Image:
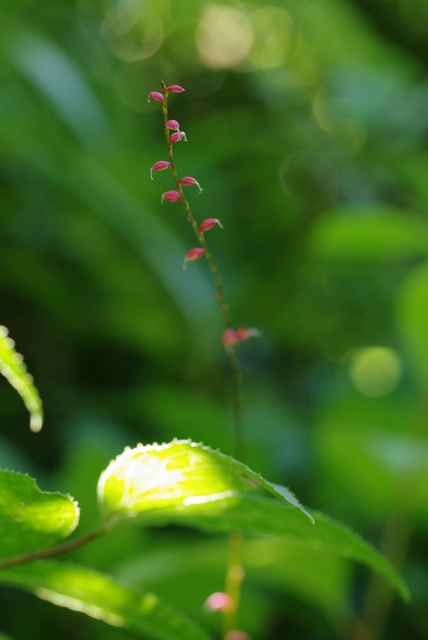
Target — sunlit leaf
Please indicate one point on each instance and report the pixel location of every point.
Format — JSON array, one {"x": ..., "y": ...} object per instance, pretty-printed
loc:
[
  {"x": 186, "y": 483},
  {"x": 100, "y": 597},
  {"x": 178, "y": 475},
  {"x": 14, "y": 369},
  {"x": 31, "y": 519}
]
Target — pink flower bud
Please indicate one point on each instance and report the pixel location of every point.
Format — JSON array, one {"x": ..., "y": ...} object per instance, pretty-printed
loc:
[
  {"x": 244, "y": 334},
  {"x": 171, "y": 196},
  {"x": 172, "y": 124},
  {"x": 175, "y": 88},
  {"x": 188, "y": 181},
  {"x": 228, "y": 338},
  {"x": 209, "y": 223},
  {"x": 156, "y": 96},
  {"x": 237, "y": 634},
  {"x": 159, "y": 166},
  {"x": 176, "y": 137},
  {"x": 219, "y": 602},
  {"x": 193, "y": 254}
]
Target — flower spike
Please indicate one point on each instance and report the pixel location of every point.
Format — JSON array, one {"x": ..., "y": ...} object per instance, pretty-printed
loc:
[
  {"x": 172, "y": 124},
  {"x": 159, "y": 166},
  {"x": 188, "y": 181},
  {"x": 155, "y": 95},
  {"x": 171, "y": 196},
  {"x": 175, "y": 88},
  {"x": 209, "y": 223},
  {"x": 193, "y": 254},
  {"x": 177, "y": 136}
]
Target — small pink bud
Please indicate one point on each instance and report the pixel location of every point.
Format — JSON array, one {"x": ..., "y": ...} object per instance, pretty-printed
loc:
[
  {"x": 188, "y": 181},
  {"x": 171, "y": 196},
  {"x": 156, "y": 96},
  {"x": 237, "y": 634},
  {"x": 177, "y": 136},
  {"x": 172, "y": 124},
  {"x": 209, "y": 223},
  {"x": 175, "y": 88},
  {"x": 228, "y": 338},
  {"x": 159, "y": 166},
  {"x": 244, "y": 334},
  {"x": 219, "y": 602},
  {"x": 193, "y": 254}
]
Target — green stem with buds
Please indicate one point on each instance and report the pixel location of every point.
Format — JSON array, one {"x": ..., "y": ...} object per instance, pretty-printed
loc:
[{"x": 235, "y": 572}]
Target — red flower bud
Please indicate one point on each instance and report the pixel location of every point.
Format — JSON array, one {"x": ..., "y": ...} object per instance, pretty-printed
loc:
[
  {"x": 228, "y": 338},
  {"x": 237, "y": 634},
  {"x": 193, "y": 254},
  {"x": 244, "y": 334},
  {"x": 219, "y": 602},
  {"x": 172, "y": 124},
  {"x": 156, "y": 96},
  {"x": 171, "y": 196},
  {"x": 159, "y": 166},
  {"x": 175, "y": 88},
  {"x": 209, "y": 223},
  {"x": 188, "y": 181},
  {"x": 176, "y": 137}
]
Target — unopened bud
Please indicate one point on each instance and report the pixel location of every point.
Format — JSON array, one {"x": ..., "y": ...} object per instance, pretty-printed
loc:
[
  {"x": 156, "y": 96},
  {"x": 244, "y": 334},
  {"x": 237, "y": 634},
  {"x": 219, "y": 601},
  {"x": 159, "y": 166},
  {"x": 193, "y": 254},
  {"x": 172, "y": 124},
  {"x": 228, "y": 338},
  {"x": 188, "y": 181},
  {"x": 209, "y": 223},
  {"x": 177, "y": 136},
  {"x": 171, "y": 196},
  {"x": 175, "y": 88}
]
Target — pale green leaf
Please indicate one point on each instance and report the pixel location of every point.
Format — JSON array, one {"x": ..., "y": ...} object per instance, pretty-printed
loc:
[
  {"x": 30, "y": 519},
  {"x": 14, "y": 369},
  {"x": 186, "y": 483},
  {"x": 99, "y": 596},
  {"x": 371, "y": 234},
  {"x": 180, "y": 475}
]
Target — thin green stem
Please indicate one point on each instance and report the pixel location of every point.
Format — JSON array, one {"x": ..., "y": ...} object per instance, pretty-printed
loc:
[
  {"x": 235, "y": 572},
  {"x": 54, "y": 551}
]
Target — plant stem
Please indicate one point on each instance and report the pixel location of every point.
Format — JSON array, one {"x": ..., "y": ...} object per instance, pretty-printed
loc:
[
  {"x": 54, "y": 551},
  {"x": 235, "y": 572}
]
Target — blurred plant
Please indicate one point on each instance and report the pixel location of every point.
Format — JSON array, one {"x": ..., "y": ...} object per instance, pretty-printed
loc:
[{"x": 181, "y": 482}]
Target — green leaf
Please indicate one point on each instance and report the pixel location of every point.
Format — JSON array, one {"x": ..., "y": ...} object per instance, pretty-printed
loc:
[
  {"x": 186, "y": 483},
  {"x": 372, "y": 234},
  {"x": 14, "y": 369},
  {"x": 181, "y": 475},
  {"x": 30, "y": 519},
  {"x": 100, "y": 597}
]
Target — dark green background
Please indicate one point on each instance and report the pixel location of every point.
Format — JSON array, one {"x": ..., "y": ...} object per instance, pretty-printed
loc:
[{"x": 312, "y": 151}]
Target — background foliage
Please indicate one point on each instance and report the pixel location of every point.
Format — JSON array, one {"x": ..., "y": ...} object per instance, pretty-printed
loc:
[{"x": 307, "y": 126}]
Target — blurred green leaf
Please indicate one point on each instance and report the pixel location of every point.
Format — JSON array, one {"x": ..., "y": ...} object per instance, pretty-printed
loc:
[
  {"x": 14, "y": 369},
  {"x": 101, "y": 597},
  {"x": 412, "y": 313},
  {"x": 370, "y": 233},
  {"x": 30, "y": 519}
]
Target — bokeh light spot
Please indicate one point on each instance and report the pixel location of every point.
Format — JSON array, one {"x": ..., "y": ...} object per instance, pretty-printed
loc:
[
  {"x": 133, "y": 30},
  {"x": 376, "y": 371},
  {"x": 274, "y": 38},
  {"x": 224, "y": 36}
]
